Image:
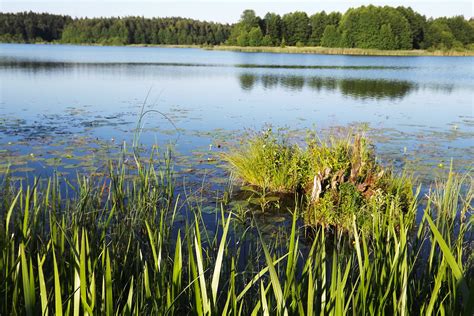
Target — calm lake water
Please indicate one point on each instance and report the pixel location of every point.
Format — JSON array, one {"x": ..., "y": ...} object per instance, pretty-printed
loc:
[{"x": 67, "y": 107}]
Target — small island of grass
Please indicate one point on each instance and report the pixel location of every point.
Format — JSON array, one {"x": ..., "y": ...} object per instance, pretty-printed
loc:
[{"x": 339, "y": 178}]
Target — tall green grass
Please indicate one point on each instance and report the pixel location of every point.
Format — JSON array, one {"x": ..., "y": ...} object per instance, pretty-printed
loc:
[
  {"x": 342, "y": 51},
  {"x": 124, "y": 244},
  {"x": 339, "y": 177},
  {"x": 268, "y": 161}
]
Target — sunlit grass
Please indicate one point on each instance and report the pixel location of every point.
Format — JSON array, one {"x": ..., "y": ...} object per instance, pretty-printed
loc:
[
  {"x": 339, "y": 177},
  {"x": 343, "y": 51},
  {"x": 269, "y": 162},
  {"x": 121, "y": 245}
]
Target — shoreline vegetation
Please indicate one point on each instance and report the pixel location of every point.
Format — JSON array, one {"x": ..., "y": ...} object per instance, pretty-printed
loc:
[
  {"x": 129, "y": 243},
  {"x": 336, "y": 180},
  {"x": 342, "y": 51},
  {"x": 316, "y": 50}
]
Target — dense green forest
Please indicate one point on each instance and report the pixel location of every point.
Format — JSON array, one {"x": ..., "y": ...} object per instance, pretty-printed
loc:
[
  {"x": 138, "y": 30},
  {"x": 363, "y": 27},
  {"x": 31, "y": 27}
]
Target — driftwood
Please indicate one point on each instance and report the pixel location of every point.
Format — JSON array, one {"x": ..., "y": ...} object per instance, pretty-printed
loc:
[
  {"x": 357, "y": 162},
  {"x": 337, "y": 179},
  {"x": 318, "y": 184},
  {"x": 365, "y": 186}
]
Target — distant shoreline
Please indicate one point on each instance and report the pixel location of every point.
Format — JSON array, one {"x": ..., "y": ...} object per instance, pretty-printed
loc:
[
  {"x": 341, "y": 51},
  {"x": 316, "y": 50}
]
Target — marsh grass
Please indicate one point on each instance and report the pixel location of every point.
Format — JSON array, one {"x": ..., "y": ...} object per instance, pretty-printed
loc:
[
  {"x": 343, "y": 51},
  {"x": 339, "y": 177},
  {"x": 120, "y": 245},
  {"x": 267, "y": 161}
]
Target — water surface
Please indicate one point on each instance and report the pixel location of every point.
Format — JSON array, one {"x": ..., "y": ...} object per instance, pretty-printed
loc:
[{"x": 72, "y": 105}]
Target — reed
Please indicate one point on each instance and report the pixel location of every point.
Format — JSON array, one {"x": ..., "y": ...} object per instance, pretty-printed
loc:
[
  {"x": 342, "y": 51},
  {"x": 122, "y": 244},
  {"x": 319, "y": 50}
]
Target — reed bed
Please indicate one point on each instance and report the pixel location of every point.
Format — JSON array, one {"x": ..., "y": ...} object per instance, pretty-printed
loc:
[
  {"x": 128, "y": 243},
  {"x": 341, "y": 51}
]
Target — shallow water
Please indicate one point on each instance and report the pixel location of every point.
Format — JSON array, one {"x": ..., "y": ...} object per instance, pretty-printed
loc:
[{"x": 68, "y": 107}]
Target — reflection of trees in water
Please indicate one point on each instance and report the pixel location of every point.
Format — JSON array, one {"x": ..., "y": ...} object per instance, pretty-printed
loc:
[
  {"x": 269, "y": 81},
  {"x": 352, "y": 87},
  {"x": 376, "y": 89},
  {"x": 320, "y": 83},
  {"x": 32, "y": 66},
  {"x": 294, "y": 82},
  {"x": 247, "y": 81},
  {"x": 445, "y": 88}
]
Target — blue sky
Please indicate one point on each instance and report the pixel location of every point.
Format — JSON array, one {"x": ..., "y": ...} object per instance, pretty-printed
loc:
[{"x": 222, "y": 11}]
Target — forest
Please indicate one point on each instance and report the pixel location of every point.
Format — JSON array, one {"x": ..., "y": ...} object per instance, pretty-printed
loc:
[
  {"x": 29, "y": 27},
  {"x": 366, "y": 27}
]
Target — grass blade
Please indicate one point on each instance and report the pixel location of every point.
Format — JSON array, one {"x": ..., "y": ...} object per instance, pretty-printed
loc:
[
  {"x": 57, "y": 288},
  {"x": 218, "y": 264},
  {"x": 109, "y": 307},
  {"x": 276, "y": 286},
  {"x": 27, "y": 293},
  {"x": 42, "y": 285},
  {"x": 451, "y": 261}
]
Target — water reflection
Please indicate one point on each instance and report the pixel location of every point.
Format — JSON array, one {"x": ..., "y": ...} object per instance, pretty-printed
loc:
[
  {"x": 9, "y": 62},
  {"x": 351, "y": 87},
  {"x": 59, "y": 93},
  {"x": 247, "y": 81},
  {"x": 351, "y": 81}
]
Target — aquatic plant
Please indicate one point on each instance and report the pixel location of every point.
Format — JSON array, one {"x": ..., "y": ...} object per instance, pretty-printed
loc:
[
  {"x": 340, "y": 177},
  {"x": 127, "y": 243},
  {"x": 268, "y": 162}
]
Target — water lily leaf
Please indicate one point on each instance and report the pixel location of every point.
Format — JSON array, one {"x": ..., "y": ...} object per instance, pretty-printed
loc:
[
  {"x": 71, "y": 166},
  {"x": 25, "y": 169},
  {"x": 208, "y": 210},
  {"x": 55, "y": 161}
]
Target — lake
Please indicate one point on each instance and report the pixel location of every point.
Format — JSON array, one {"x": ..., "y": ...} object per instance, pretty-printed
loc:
[{"x": 66, "y": 108}]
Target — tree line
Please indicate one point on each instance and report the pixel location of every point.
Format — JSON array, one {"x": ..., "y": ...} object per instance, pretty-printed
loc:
[
  {"x": 139, "y": 30},
  {"x": 29, "y": 27},
  {"x": 363, "y": 27}
]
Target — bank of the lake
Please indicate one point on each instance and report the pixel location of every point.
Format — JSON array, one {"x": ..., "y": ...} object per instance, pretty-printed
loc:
[
  {"x": 316, "y": 50},
  {"x": 344, "y": 51}
]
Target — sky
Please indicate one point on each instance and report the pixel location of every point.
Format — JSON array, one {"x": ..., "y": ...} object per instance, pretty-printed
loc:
[{"x": 222, "y": 11}]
